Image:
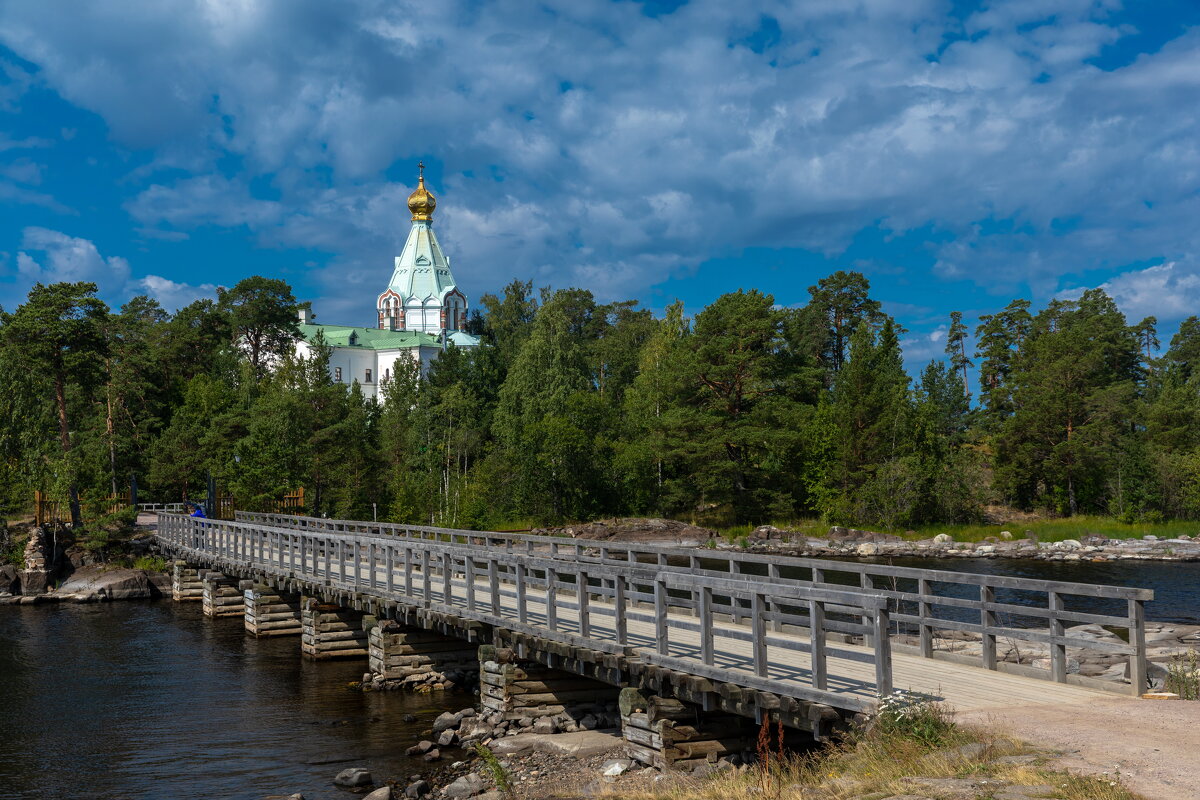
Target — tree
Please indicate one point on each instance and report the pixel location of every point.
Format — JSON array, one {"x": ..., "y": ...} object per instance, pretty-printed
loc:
[
  {"x": 956, "y": 349},
  {"x": 842, "y": 304},
  {"x": 262, "y": 315},
  {"x": 1000, "y": 337},
  {"x": 59, "y": 331}
]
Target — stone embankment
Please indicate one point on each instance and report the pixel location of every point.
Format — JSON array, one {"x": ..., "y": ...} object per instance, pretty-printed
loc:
[{"x": 844, "y": 542}]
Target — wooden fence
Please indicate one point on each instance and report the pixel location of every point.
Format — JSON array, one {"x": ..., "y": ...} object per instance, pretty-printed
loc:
[{"x": 49, "y": 510}]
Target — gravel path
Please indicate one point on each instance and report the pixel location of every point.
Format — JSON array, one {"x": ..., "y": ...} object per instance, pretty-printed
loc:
[{"x": 1152, "y": 743}]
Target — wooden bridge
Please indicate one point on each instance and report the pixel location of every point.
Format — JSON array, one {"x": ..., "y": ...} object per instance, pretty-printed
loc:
[{"x": 811, "y": 642}]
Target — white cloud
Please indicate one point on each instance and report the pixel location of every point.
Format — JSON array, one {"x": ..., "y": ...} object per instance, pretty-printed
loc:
[
  {"x": 172, "y": 295},
  {"x": 1168, "y": 291},
  {"x": 588, "y": 142},
  {"x": 48, "y": 256}
]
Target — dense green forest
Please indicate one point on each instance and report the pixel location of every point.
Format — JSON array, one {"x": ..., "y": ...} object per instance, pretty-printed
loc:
[{"x": 574, "y": 409}]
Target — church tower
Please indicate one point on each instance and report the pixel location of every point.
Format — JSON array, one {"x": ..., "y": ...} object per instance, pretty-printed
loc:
[{"x": 422, "y": 295}]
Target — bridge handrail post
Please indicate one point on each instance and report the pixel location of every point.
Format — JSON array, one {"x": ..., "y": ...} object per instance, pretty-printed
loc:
[
  {"x": 522, "y": 608},
  {"x": 408, "y": 570},
  {"x": 706, "y": 625},
  {"x": 925, "y": 611},
  {"x": 987, "y": 623},
  {"x": 816, "y": 641},
  {"x": 621, "y": 623},
  {"x": 774, "y": 605},
  {"x": 389, "y": 567},
  {"x": 447, "y": 578},
  {"x": 426, "y": 576},
  {"x": 372, "y": 552},
  {"x": 883, "y": 650},
  {"x": 581, "y": 596},
  {"x": 1138, "y": 672},
  {"x": 867, "y": 584},
  {"x": 552, "y": 598},
  {"x": 1058, "y": 649},
  {"x": 494, "y": 585},
  {"x": 661, "y": 607},
  {"x": 759, "y": 632},
  {"x": 469, "y": 561}
]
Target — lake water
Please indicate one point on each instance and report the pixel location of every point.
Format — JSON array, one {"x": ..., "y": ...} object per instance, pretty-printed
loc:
[{"x": 152, "y": 700}]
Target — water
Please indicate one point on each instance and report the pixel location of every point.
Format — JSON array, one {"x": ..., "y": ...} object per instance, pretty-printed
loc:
[
  {"x": 1176, "y": 584},
  {"x": 150, "y": 700}
]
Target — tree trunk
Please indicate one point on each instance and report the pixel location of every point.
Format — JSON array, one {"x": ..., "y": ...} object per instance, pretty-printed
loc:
[{"x": 64, "y": 437}]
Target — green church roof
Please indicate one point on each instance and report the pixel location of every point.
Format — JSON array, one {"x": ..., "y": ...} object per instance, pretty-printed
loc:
[{"x": 368, "y": 338}]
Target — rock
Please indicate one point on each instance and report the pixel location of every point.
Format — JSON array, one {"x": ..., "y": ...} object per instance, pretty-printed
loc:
[
  {"x": 615, "y": 767},
  {"x": 1070, "y": 544},
  {"x": 109, "y": 584},
  {"x": 581, "y": 744},
  {"x": 544, "y": 726},
  {"x": 432, "y": 755},
  {"x": 420, "y": 748},
  {"x": 985, "y": 549},
  {"x": 353, "y": 778},
  {"x": 943, "y": 538},
  {"x": 8, "y": 579},
  {"x": 494, "y": 794},
  {"x": 968, "y": 752},
  {"x": 382, "y": 793},
  {"x": 1006, "y": 535},
  {"x": 417, "y": 789},
  {"x": 446, "y": 739},
  {"x": 468, "y": 785},
  {"x": 867, "y": 549},
  {"x": 446, "y": 720}
]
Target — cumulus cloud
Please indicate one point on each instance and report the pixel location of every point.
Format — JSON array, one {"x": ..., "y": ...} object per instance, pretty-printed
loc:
[
  {"x": 48, "y": 256},
  {"x": 589, "y": 142},
  {"x": 1169, "y": 291},
  {"x": 172, "y": 295}
]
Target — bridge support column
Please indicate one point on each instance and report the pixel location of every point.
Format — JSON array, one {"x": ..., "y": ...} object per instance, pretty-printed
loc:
[
  {"x": 270, "y": 612},
  {"x": 185, "y": 583},
  {"x": 221, "y": 595},
  {"x": 331, "y": 631},
  {"x": 525, "y": 694},
  {"x": 669, "y": 734},
  {"x": 402, "y": 657}
]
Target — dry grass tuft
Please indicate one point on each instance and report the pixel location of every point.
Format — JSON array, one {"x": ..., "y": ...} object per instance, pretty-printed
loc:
[{"x": 888, "y": 761}]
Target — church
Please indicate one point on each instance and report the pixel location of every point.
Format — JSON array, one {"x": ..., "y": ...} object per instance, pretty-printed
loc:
[{"x": 420, "y": 313}]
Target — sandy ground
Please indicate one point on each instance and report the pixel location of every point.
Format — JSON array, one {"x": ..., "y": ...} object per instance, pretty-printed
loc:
[{"x": 1152, "y": 743}]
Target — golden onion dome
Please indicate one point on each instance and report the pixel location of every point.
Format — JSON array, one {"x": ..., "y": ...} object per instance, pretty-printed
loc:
[{"x": 422, "y": 202}]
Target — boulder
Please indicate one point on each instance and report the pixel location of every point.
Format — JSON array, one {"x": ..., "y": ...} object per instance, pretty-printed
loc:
[
  {"x": 382, "y": 793},
  {"x": 417, "y": 789},
  {"x": 8, "y": 579},
  {"x": 615, "y": 767},
  {"x": 33, "y": 581},
  {"x": 943, "y": 538},
  {"x": 1006, "y": 535},
  {"x": 468, "y": 785},
  {"x": 353, "y": 778},
  {"x": 109, "y": 584},
  {"x": 420, "y": 748},
  {"x": 432, "y": 755},
  {"x": 1070, "y": 544},
  {"x": 445, "y": 721}
]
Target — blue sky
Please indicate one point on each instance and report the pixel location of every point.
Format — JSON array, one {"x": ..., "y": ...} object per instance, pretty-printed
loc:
[{"x": 959, "y": 154}]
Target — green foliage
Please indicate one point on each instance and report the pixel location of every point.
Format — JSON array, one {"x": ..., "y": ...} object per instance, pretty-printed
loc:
[
  {"x": 573, "y": 409},
  {"x": 904, "y": 716},
  {"x": 1183, "y": 675},
  {"x": 150, "y": 563},
  {"x": 499, "y": 773}
]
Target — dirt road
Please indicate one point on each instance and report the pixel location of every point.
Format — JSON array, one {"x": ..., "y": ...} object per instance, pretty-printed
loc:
[{"x": 1151, "y": 743}]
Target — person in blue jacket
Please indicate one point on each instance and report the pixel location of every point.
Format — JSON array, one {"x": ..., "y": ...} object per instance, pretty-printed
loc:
[{"x": 197, "y": 510}]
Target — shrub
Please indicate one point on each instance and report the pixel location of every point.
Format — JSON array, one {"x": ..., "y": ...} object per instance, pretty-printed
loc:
[
  {"x": 1183, "y": 675},
  {"x": 917, "y": 718}
]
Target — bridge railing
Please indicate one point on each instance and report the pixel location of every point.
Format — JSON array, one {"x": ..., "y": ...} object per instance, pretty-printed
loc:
[
  {"x": 728, "y": 632},
  {"x": 1004, "y": 611}
]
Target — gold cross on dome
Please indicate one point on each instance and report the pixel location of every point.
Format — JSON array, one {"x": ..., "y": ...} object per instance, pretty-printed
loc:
[{"x": 421, "y": 166}]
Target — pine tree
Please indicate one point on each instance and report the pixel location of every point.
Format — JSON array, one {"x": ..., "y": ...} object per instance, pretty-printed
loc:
[{"x": 956, "y": 349}]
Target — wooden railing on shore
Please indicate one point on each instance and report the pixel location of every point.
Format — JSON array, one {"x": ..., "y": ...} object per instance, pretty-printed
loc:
[
  {"x": 686, "y": 616},
  {"x": 920, "y": 600}
]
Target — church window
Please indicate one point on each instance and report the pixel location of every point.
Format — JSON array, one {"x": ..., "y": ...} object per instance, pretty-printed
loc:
[
  {"x": 337, "y": 374},
  {"x": 387, "y": 375},
  {"x": 368, "y": 378},
  {"x": 353, "y": 338}
]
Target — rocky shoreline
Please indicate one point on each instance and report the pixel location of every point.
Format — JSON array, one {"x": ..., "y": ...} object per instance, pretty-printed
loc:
[{"x": 852, "y": 543}]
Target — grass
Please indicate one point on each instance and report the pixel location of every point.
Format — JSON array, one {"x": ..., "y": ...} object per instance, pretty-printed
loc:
[
  {"x": 919, "y": 743},
  {"x": 1046, "y": 530},
  {"x": 1183, "y": 675}
]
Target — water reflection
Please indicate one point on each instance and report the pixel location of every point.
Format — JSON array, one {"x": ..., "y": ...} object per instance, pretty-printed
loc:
[{"x": 153, "y": 700}]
